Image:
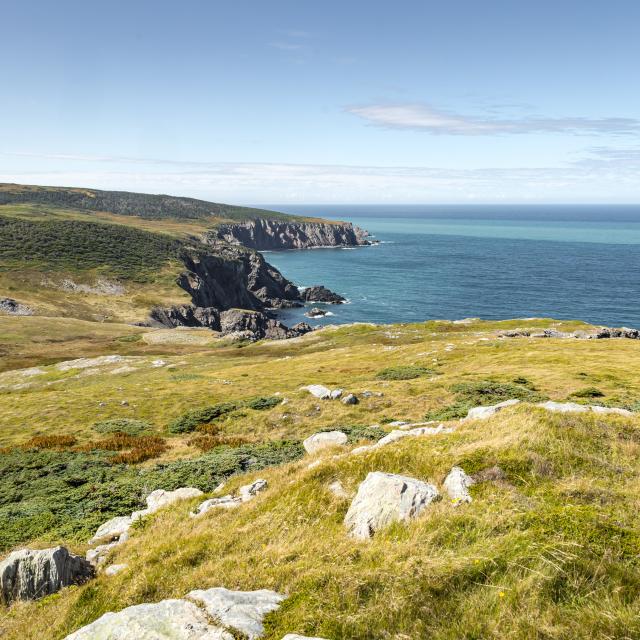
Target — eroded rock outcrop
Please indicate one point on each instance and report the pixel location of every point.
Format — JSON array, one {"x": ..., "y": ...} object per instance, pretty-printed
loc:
[
  {"x": 319, "y": 293},
  {"x": 384, "y": 498},
  {"x": 27, "y": 575}
]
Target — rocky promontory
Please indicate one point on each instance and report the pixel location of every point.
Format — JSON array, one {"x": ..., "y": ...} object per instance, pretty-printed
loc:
[{"x": 264, "y": 234}]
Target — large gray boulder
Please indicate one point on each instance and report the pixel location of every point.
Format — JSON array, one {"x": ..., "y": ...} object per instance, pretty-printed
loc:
[
  {"x": 384, "y": 498},
  {"x": 201, "y": 615},
  {"x": 240, "y": 610},
  {"x": 160, "y": 498},
  {"x": 28, "y": 575},
  {"x": 324, "y": 440},
  {"x": 165, "y": 620}
]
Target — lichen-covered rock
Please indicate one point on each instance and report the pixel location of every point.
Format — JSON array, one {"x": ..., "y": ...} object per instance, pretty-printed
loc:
[
  {"x": 482, "y": 413},
  {"x": 27, "y": 575},
  {"x": 250, "y": 491},
  {"x": 457, "y": 485},
  {"x": 324, "y": 440},
  {"x": 165, "y": 620},
  {"x": 384, "y": 498},
  {"x": 240, "y": 610}
]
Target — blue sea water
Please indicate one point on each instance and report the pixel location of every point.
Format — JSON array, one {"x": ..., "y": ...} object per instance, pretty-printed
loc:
[{"x": 494, "y": 262}]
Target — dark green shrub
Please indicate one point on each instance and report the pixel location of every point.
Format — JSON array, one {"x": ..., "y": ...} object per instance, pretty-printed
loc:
[
  {"x": 122, "y": 425},
  {"x": 261, "y": 404},
  {"x": 588, "y": 392},
  {"x": 408, "y": 372},
  {"x": 189, "y": 421}
]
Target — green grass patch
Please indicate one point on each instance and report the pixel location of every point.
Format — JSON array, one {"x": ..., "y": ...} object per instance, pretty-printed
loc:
[
  {"x": 127, "y": 426},
  {"x": 407, "y": 372}
]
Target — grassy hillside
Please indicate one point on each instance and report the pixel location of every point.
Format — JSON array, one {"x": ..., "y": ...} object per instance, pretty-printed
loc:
[
  {"x": 142, "y": 205},
  {"x": 549, "y": 549}
]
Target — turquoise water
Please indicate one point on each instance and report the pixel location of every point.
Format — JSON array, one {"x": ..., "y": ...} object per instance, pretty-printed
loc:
[{"x": 491, "y": 262}]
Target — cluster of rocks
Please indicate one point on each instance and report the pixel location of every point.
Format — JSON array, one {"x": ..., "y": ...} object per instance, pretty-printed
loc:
[
  {"x": 14, "y": 308},
  {"x": 324, "y": 393},
  {"x": 116, "y": 531},
  {"x": 205, "y": 614},
  {"x": 601, "y": 333},
  {"x": 384, "y": 498},
  {"x": 318, "y": 293}
]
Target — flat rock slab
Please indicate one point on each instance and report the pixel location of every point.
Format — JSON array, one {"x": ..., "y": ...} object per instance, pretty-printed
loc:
[
  {"x": 384, "y": 498},
  {"x": 324, "y": 440},
  {"x": 318, "y": 391},
  {"x": 241, "y": 610},
  {"x": 574, "y": 407},
  {"x": 225, "y": 502},
  {"x": 27, "y": 575},
  {"x": 165, "y": 620}
]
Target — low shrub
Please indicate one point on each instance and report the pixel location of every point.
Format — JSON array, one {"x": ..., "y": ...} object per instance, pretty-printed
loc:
[
  {"x": 50, "y": 442},
  {"x": 588, "y": 392},
  {"x": 406, "y": 372},
  {"x": 263, "y": 403},
  {"x": 134, "y": 449},
  {"x": 122, "y": 425},
  {"x": 191, "y": 420},
  {"x": 481, "y": 393},
  {"x": 209, "y": 442}
]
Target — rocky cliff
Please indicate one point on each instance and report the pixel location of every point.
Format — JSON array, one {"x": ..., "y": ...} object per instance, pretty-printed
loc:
[{"x": 265, "y": 234}]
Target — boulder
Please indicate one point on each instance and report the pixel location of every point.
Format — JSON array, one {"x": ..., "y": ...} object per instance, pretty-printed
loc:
[
  {"x": 419, "y": 431},
  {"x": 321, "y": 294},
  {"x": 240, "y": 610},
  {"x": 315, "y": 313},
  {"x": 165, "y": 620},
  {"x": 482, "y": 413},
  {"x": 384, "y": 498},
  {"x": 112, "y": 529},
  {"x": 457, "y": 485},
  {"x": 14, "y": 308},
  {"x": 611, "y": 410},
  {"x": 28, "y": 575},
  {"x": 336, "y": 393},
  {"x": 98, "y": 555},
  {"x": 349, "y": 399},
  {"x": 324, "y": 440},
  {"x": 249, "y": 491},
  {"x": 318, "y": 391}
]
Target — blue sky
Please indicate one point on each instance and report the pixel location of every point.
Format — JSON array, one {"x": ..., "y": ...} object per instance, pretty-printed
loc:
[{"x": 309, "y": 102}]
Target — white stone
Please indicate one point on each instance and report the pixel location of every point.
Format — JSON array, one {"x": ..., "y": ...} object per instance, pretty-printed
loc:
[
  {"x": 295, "y": 636},
  {"x": 160, "y": 498},
  {"x": 349, "y": 399},
  {"x": 413, "y": 425},
  {"x": 318, "y": 391},
  {"x": 457, "y": 485},
  {"x": 112, "y": 529},
  {"x": 98, "y": 555},
  {"x": 384, "y": 498},
  {"x": 225, "y": 502},
  {"x": 85, "y": 363},
  {"x": 249, "y": 491},
  {"x": 165, "y": 620},
  {"x": 241, "y": 610},
  {"x": 398, "y": 423},
  {"x": 337, "y": 489},
  {"x": 336, "y": 393},
  {"x": 564, "y": 407},
  {"x": 419, "y": 431},
  {"x": 114, "y": 569},
  {"x": 323, "y": 440},
  {"x": 482, "y": 413},
  {"x": 611, "y": 410}
]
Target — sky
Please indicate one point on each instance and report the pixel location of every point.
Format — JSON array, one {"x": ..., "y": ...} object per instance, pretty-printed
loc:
[{"x": 355, "y": 101}]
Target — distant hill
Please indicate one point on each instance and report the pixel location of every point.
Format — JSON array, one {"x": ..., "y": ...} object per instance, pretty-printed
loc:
[{"x": 142, "y": 205}]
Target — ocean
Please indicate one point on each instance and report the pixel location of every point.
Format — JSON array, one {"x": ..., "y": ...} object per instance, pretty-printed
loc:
[{"x": 492, "y": 262}]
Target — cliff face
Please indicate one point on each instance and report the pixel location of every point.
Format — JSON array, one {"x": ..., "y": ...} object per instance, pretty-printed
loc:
[{"x": 264, "y": 234}]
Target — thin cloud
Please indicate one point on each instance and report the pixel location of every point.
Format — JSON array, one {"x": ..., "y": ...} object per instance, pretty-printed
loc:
[{"x": 422, "y": 117}]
